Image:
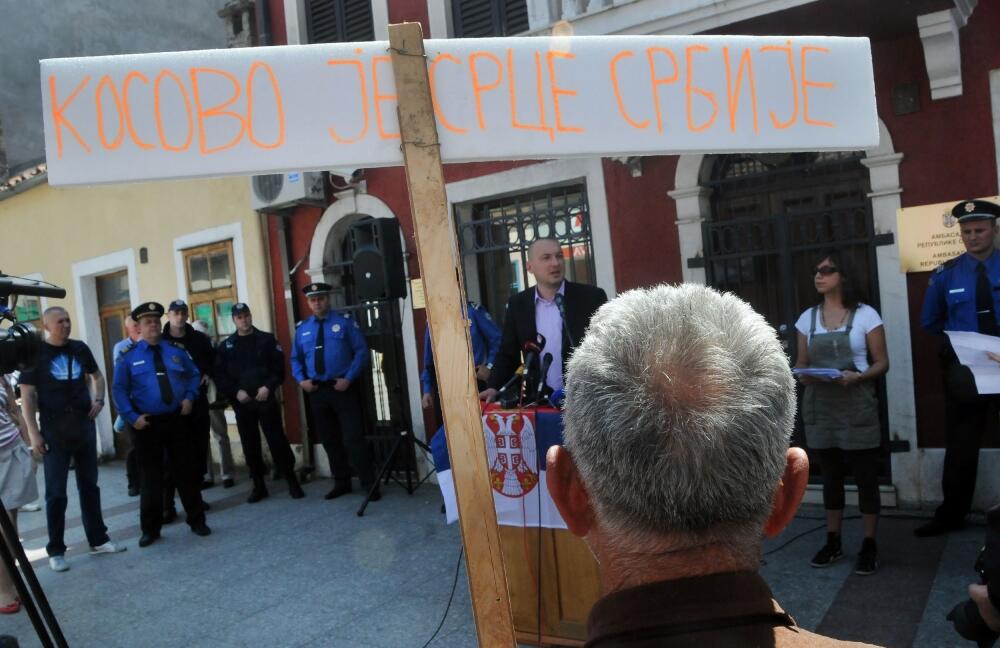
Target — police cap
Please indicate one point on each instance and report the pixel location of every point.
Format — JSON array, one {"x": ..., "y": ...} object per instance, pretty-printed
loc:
[
  {"x": 318, "y": 288},
  {"x": 239, "y": 308},
  {"x": 147, "y": 308},
  {"x": 975, "y": 210},
  {"x": 178, "y": 305}
]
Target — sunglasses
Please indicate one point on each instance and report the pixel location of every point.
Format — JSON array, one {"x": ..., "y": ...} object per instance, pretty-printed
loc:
[{"x": 824, "y": 270}]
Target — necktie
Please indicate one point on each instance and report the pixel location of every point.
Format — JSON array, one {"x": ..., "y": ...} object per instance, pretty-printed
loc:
[
  {"x": 320, "y": 359},
  {"x": 166, "y": 391},
  {"x": 984, "y": 302}
]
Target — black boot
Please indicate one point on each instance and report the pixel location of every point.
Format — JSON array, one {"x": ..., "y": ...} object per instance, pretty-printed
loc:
[
  {"x": 259, "y": 491},
  {"x": 294, "y": 489}
]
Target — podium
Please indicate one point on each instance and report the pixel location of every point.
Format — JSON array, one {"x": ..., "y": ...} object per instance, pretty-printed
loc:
[
  {"x": 568, "y": 581},
  {"x": 545, "y": 563}
]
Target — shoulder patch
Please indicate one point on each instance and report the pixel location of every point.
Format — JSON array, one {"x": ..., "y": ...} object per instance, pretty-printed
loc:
[{"x": 130, "y": 349}]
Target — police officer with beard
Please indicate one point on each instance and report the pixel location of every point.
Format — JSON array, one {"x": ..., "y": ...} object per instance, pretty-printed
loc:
[{"x": 249, "y": 370}]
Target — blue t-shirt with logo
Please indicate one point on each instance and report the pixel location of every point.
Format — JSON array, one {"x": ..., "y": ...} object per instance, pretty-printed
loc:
[{"x": 57, "y": 389}]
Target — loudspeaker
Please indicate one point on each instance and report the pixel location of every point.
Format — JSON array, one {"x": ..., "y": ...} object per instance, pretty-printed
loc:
[{"x": 378, "y": 260}]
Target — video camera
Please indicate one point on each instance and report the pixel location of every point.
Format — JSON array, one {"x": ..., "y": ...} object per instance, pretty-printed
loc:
[
  {"x": 19, "y": 343},
  {"x": 968, "y": 622}
]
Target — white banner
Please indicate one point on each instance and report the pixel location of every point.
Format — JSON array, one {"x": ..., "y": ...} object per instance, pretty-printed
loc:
[{"x": 266, "y": 110}]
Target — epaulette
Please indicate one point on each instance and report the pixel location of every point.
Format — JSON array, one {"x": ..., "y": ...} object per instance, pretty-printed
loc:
[{"x": 947, "y": 265}]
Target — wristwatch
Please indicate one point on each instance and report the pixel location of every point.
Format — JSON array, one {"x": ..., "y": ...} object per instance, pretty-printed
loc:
[{"x": 489, "y": 365}]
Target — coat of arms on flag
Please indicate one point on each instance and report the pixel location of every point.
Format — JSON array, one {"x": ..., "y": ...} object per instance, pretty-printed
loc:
[
  {"x": 516, "y": 442},
  {"x": 511, "y": 452}
]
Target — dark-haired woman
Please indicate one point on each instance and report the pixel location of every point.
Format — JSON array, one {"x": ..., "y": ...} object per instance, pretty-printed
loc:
[{"x": 841, "y": 415}]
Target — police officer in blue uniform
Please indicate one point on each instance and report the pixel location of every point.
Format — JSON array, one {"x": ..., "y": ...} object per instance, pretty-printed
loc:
[
  {"x": 155, "y": 386},
  {"x": 963, "y": 295},
  {"x": 249, "y": 370},
  {"x": 329, "y": 355},
  {"x": 486, "y": 336}
]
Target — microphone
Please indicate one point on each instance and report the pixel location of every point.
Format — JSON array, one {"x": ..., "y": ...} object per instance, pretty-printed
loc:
[
  {"x": 532, "y": 350},
  {"x": 562, "y": 315},
  {"x": 546, "y": 363},
  {"x": 506, "y": 386}
]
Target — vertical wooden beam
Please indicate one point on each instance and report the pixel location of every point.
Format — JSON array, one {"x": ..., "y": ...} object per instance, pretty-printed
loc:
[{"x": 453, "y": 363}]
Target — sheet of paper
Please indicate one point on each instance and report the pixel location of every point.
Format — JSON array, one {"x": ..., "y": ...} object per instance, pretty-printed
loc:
[
  {"x": 818, "y": 372},
  {"x": 971, "y": 350}
]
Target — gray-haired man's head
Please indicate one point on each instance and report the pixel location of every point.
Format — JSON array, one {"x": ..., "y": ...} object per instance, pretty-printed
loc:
[{"x": 680, "y": 404}]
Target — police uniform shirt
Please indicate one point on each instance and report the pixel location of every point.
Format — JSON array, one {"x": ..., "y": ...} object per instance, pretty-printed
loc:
[
  {"x": 136, "y": 387},
  {"x": 345, "y": 351},
  {"x": 950, "y": 301},
  {"x": 485, "y": 334}
]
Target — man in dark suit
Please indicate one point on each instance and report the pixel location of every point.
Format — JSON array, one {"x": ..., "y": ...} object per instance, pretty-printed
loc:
[{"x": 558, "y": 309}]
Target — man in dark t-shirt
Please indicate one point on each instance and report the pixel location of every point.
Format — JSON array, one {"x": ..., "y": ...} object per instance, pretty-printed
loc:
[{"x": 66, "y": 389}]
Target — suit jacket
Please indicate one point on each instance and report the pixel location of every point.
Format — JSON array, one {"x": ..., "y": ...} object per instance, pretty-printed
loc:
[{"x": 580, "y": 301}]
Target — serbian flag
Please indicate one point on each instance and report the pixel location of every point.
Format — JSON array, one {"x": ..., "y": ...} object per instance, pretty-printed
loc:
[{"x": 516, "y": 443}]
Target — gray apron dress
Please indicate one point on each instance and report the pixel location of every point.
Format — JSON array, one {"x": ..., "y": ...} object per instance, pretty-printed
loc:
[{"x": 836, "y": 416}]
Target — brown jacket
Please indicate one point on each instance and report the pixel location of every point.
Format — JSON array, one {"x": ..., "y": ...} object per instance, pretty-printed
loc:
[{"x": 714, "y": 611}]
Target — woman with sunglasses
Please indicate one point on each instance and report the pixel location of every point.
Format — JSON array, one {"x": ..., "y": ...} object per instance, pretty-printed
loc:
[{"x": 841, "y": 415}]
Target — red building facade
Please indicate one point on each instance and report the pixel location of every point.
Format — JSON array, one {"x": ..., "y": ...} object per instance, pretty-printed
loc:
[{"x": 674, "y": 218}]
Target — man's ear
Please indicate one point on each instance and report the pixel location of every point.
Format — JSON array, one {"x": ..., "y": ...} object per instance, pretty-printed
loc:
[
  {"x": 567, "y": 491},
  {"x": 789, "y": 493}
]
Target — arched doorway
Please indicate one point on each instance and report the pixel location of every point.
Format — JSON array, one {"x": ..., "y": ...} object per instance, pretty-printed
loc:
[{"x": 390, "y": 388}]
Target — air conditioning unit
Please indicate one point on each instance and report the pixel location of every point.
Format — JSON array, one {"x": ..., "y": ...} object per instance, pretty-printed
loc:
[{"x": 286, "y": 189}]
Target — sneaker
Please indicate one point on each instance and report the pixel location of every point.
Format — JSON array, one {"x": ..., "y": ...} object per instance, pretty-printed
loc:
[
  {"x": 33, "y": 507},
  {"x": 830, "y": 553},
  {"x": 867, "y": 563},
  {"x": 108, "y": 547},
  {"x": 58, "y": 563}
]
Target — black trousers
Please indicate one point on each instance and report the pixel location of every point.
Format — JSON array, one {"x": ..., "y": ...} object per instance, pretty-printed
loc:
[
  {"x": 336, "y": 416},
  {"x": 864, "y": 465},
  {"x": 252, "y": 419},
  {"x": 200, "y": 424},
  {"x": 167, "y": 435},
  {"x": 131, "y": 459},
  {"x": 966, "y": 414}
]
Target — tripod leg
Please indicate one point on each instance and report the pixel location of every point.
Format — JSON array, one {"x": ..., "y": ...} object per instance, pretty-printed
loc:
[
  {"x": 12, "y": 551},
  {"x": 381, "y": 473},
  {"x": 24, "y": 594}
]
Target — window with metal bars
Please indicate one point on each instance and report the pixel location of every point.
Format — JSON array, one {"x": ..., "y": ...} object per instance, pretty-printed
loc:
[
  {"x": 339, "y": 21},
  {"x": 494, "y": 237},
  {"x": 478, "y": 18}
]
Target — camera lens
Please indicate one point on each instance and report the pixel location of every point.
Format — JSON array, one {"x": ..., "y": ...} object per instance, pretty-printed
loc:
[{"x": 19, "y": 346}]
